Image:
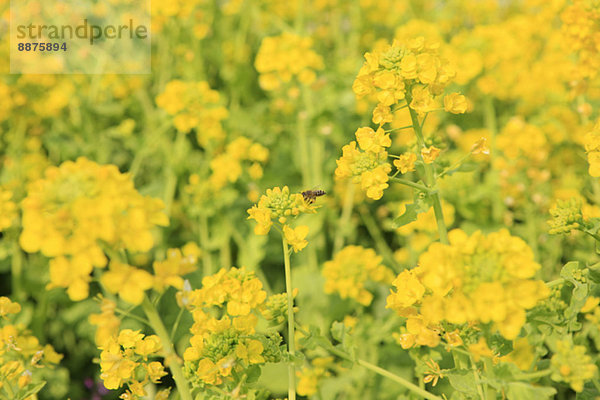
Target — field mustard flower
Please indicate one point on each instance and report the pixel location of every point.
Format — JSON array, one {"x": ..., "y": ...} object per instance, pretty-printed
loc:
[
  {"x": 484, "y": 278},
  {"x": 351, "y": 270},
  {"x": 284, "y": 58},
  {"x": 572, "y": 365},
  {"x": 76, "y": 207},
  {"x": 366, "y": 164}
]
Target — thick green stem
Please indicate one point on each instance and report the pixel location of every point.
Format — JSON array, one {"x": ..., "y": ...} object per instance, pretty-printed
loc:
[
  {"x": 429, "y": 177},
  {"x": 291, "y": 325},
  {"x": 171, "y": 358},
  {"x": 412, "y": 184}
]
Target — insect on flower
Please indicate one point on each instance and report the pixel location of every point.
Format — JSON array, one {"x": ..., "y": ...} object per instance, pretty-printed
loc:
[{"x": 311, "y": 195}]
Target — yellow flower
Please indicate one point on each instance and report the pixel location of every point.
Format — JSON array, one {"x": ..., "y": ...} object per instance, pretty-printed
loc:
[
  {"x": 107, "y": 322},
  {"x": 296, "y": 237},
  {"x": 373, "y": 141},
  {"x": 429, "y": 154},
  {"x": 475, "y": 278},
  {"x": 8, "y": 307},
  {"x": 262, "y": 216},
  {"x": 455, "y": 103},
  {"x": 75, "y": 208},
  {"x": 351, "y": 269},
  {"x": 171, "y": 270},
  {"x": 282, "y": 58},
  {"x": 422, "y": 100},
  {"x": 129, "y": 282},
  {"x": 382, "y": 114},
  {"x": 194, "y": 105},
  {"x": 8, "y": 209},
  {"x": 406, "y": 162},
  {"x": 571, "y": 364},
  {"x": 155, "y": 371},
  {"x": 250, "y": 352},
  {"x": 408, "y": 291},
  {"x": 374, "y": 182}
]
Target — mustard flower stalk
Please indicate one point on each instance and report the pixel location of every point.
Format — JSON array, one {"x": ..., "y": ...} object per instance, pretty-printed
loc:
[
  {"x": 291, "y": 325},
  {"x": 172, "y": 360},
  {"x": 430, "y": 179}
]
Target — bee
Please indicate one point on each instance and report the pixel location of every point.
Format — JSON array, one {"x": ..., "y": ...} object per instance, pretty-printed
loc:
[{"x": 311, "y": 195}]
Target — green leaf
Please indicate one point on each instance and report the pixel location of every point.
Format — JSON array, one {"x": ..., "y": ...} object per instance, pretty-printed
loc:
[
  {"x": 579, "y": 294},
  {"x": 590, "y": 392},
  {"x": 525, "y": 391},
  {"x": 421, "y": 203},
  {"x": 463, "y": 381},
  {"x": 568, "y": 270},
  {"x": 31, "y": 390},
  {"x": 594, "y": 270},
  {"x": 338, "y": 329},
  {"x": 252, "y": 373}
]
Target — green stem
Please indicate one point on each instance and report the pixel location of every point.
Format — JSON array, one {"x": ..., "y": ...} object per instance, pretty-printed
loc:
[
  {"x": 17, "y": 272},
  {"x": 344, "y": 222},
  {"x": 303, "y": 117},
  {"x": 398, "y": 379},
  {"x": 412, "y": 184},
  {"x": 491, "y": 124},
  {"x": 380, "y": 243},
  {"x": 171, "y": 358},
  {"x": 291, "y": 325},
  {"x": 384, "y": 372},
  {"x": 126, "y": 313},
  {"x": 177, "y": 321},
  {"x": 595, "y": 236},
  {"x": 534, "y": 375},
  {"x": 204, "y": 241},
  {"x": 477, "y": 378},
  {"x": 430, "y": 180},
  {"x": 555, "y": 282}
]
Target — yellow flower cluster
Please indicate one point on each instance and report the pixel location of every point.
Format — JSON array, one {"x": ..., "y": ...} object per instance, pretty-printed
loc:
[
  {"x": 124, "y": 361},
  {"x": 224, "y": 340},
  {"x": 131, "y": 283},
  {"x": 22, "y": 357},
  {"x": 413, "y": 71},
  {"x": 169, "y": 272},
  {"x": 582, "y": 35},
  {"x": 592, "y": 148},
  {"x": 572, "y": 365},
  {"x": 367, "y": 164},
  {"x": 194, "y": 105},
  {"x": 351, "y": 269},
  {"x": 227, "y": 167},
  {"x": 566, "y": 216},
  {"x": 524, "y": 149},
  {"x": 285, "y": 57},
  {"x": 75, "y": 207},
  {"x": 279, "y": 204},
  {"x": 483, "y": 279},
  {"x": 8, "y": 209}
]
